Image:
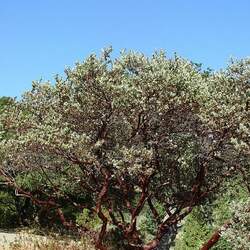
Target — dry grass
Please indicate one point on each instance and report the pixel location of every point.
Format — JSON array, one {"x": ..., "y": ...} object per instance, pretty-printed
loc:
[{"x": 28, "y": 242}]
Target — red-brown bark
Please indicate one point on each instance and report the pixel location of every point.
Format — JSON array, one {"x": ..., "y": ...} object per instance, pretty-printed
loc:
[{"x": 102, "y": 195}]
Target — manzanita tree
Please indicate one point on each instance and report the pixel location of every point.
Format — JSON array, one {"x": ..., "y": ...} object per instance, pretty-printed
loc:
[{"x": 118, "y": 136}]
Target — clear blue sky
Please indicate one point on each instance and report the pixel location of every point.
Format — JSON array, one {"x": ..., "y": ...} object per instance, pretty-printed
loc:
[{"x": 39, "y": 38}]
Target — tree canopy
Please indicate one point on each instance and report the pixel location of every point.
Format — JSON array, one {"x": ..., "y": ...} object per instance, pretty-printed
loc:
[{"x": 118, "y": 136}]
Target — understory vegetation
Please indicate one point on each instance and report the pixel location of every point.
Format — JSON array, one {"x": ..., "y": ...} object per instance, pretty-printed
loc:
[{"x": 130, "y": 153}]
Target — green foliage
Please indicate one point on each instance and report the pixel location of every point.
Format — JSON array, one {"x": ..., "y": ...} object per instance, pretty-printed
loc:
[
  {"x": 147, "y": 224},
  {"x": 203, "y": 221},
  {"x": 238, "y": 233},
  {"x": 88, "y": 220},
  {"x": 194, "y": 232},
  {"x": 8, "y": 212},
  {"x": 5, "y": 102}
]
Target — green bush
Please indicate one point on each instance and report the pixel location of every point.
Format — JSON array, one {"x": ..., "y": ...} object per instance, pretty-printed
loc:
[
  {"x": 8, "y": 213},
  {"x": 203, "y": 221},
  {"x": 194, "y": 232},
  {"x": 87, "y": 219}
]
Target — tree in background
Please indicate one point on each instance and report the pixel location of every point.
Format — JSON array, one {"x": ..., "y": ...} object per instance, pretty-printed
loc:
[
  {"x": 206, "y": 223},
  {"x": 14, "y": 211},
  {"x": 118, "y": 136}
]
